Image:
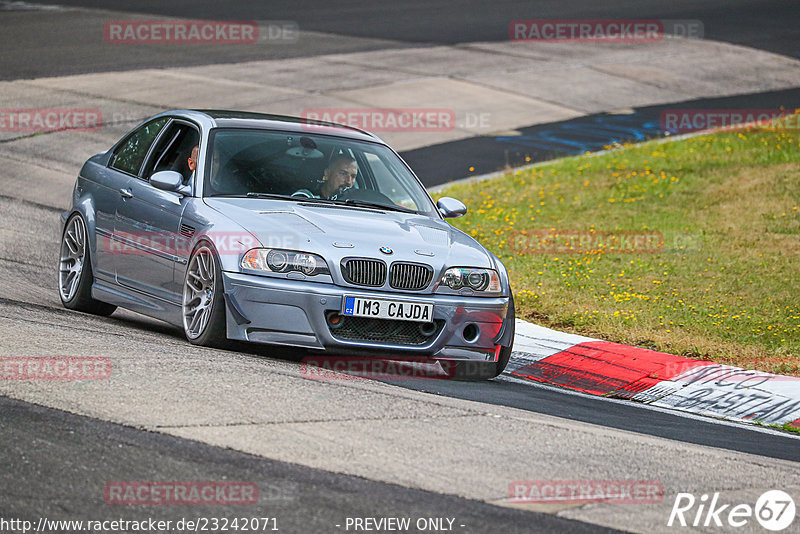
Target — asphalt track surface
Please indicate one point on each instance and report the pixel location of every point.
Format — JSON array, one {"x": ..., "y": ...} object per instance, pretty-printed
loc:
[
  {"x": 622, "y": 415},
  {"x": 32, "y": 44},
  {"x": 476, "y": 156},
  {"x": 37, "y": 47},
  {"x": 81, "y": 454},
  {"x": 57, "y": 463}
]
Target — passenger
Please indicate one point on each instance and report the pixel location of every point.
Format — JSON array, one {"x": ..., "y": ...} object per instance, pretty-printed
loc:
[
  {"x": 193, "y": 160},
  {"x": 339, "y": 176},
  {"x": 232, "y": 185}
]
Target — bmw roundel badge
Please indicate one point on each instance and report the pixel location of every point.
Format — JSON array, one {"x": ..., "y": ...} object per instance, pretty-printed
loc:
[{"x": 386, "y": 250}]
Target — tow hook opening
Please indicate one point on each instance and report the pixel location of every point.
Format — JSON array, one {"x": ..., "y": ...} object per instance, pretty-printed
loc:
[
  {"x": 334, "y": 319},
  {"x": 427, "y": 329}
]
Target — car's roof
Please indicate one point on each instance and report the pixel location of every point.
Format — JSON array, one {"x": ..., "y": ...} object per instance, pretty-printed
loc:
[{"x": 246, "y": 119}]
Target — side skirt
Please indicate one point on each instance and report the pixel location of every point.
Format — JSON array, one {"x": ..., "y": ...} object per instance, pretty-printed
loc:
[{"x": 133, "y": 300}]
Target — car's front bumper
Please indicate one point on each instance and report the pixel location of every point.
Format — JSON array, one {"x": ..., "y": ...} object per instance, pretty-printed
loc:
[{"x": 290, "y": 312}]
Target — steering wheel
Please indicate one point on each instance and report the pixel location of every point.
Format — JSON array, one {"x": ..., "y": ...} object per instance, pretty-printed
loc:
[{"x": 367, "y": 195}]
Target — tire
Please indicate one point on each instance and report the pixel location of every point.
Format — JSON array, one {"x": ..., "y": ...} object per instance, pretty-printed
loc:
[
  {"x": 473, "y": 370},
  {"x": 203, "y": 305},
  {"x": 505, "y": 352},
  {"x": 75, "y": 277}
]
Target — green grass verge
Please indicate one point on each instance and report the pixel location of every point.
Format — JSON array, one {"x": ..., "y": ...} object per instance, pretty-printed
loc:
[
  {"x": 721, "y": 279},
  {"x": 788, "y": 427}
]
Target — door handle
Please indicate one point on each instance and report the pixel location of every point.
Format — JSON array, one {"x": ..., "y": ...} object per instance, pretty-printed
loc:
[{"x": 126, "y": 193}]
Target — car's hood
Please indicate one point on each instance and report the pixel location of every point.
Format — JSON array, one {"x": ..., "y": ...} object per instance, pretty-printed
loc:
[{"x": 336, "y": 232}]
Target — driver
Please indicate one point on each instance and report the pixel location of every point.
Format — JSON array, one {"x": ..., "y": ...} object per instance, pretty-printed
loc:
[{"x": 339, "y": 176}]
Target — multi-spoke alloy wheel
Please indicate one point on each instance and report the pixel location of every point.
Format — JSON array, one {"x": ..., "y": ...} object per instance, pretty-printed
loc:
[
  {"x": 203, "y": 306},
  {"x": 198, "y": 292},
  {"x": 73, "y": 255},
  {"x": 75, "y": 276}
]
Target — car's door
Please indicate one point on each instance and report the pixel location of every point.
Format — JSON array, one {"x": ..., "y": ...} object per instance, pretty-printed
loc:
[
  {"x": 125, "y": 162},
  {"x": 150, "y": 218}
]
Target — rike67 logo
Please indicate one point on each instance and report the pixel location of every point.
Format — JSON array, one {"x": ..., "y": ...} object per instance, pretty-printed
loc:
[{"x": 774, "y": 510}]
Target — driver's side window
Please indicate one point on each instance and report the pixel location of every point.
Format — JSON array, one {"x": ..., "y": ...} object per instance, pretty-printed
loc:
[{"x": 174, "y": 150}]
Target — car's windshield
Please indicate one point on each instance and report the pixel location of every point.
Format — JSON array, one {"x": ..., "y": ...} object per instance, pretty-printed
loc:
[{"x": 302, "y": 167}]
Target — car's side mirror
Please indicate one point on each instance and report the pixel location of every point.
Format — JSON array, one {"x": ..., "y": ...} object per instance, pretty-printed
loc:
[
  {"x": 450, "y": 207},
  {"x": 168, "y": 181}
]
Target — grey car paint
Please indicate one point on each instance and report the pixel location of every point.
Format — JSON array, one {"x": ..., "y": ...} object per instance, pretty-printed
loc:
[{"x": 277, "y": 308}]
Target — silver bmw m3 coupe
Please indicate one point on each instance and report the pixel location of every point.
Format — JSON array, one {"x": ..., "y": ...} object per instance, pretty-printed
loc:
[{"x": 277, "y": 230}]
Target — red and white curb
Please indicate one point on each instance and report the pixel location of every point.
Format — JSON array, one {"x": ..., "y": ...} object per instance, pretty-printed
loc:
[{"x": 600, "y": 367}]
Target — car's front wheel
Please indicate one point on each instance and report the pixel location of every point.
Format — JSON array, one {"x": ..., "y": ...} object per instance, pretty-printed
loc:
[
  {"x": 75, "y": 276},
  {"x": 203, "y": 307}
]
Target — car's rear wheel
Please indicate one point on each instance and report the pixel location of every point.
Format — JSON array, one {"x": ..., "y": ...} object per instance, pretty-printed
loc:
[
  {"x": 474, "y": 370},
  {"x": 75, "y": 276},
  {"x": 203, "y": 306}
]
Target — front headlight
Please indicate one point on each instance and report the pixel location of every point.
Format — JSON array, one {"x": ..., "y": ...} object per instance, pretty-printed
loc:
[
  {"x": 482, "y": 280},
  {"x": 283, "y": 261}
]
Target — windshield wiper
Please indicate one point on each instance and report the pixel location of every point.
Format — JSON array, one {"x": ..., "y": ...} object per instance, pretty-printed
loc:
[
  {"x": 253, "y": 194},
  {"x": 358, "y": 203},
  {"x": 367, "y": 204}
]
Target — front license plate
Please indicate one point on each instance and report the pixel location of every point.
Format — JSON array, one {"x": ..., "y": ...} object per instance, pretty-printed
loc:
[{"x": 402, "y": 310}]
